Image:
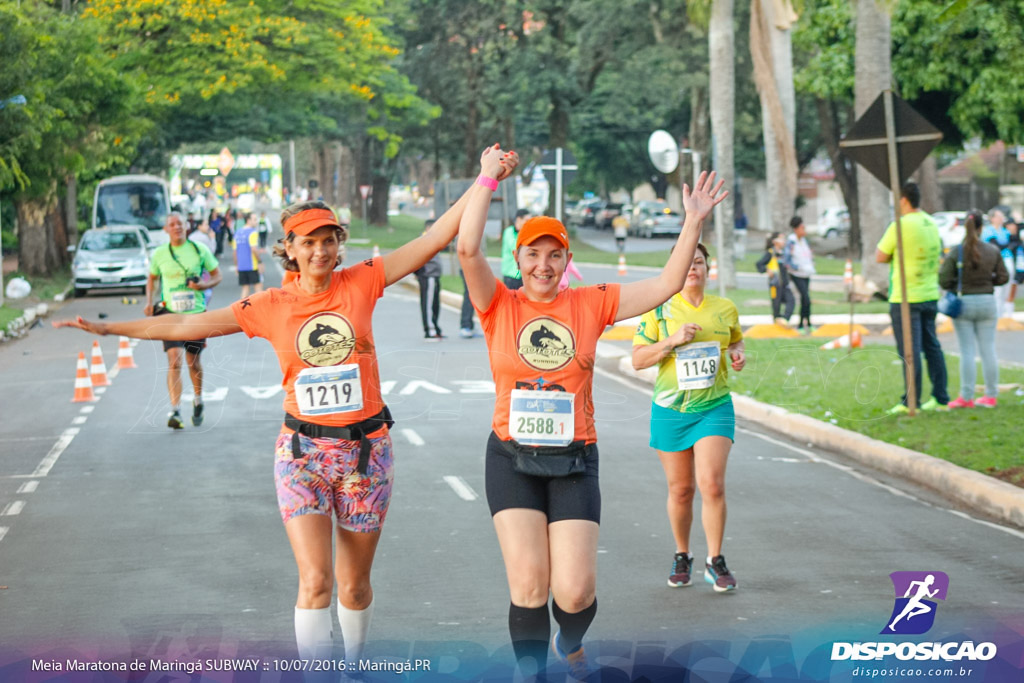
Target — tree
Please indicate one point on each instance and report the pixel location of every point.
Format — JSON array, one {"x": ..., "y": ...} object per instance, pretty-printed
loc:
[
  {"x": 873, "y": 74},
  {"x": 721, "y": 47},
  {"x": 76, "y": 121}
]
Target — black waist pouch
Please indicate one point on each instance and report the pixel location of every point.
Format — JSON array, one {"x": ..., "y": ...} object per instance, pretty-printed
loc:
[{"x": 549, "y": 461}]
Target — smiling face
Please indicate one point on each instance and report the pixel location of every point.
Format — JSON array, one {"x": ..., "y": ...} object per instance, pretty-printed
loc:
[
  {"x": 541, "y": 264},
  {"x": 316, "y": 253}
]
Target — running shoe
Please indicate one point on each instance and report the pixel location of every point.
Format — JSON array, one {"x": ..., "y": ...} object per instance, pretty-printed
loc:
[
  {"x": 682, "y": 568},
  {"x": 466, "y": 333},
  {"x": 933, "y": 404},
  {"x": 960, "y": 402},
  {"x": 986, "y": 402},
  {"x": 898, "y": 409},
  {"x": 174, "y": 420},
  {"x": 575, "y": 661},
  {"x": 718, "y": 575},
  {"x": 429, "y": 337},
  {"x": 197, "y": 414}
]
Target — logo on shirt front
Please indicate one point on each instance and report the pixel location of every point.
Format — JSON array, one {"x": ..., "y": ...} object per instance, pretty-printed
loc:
[
  {"x": 546, "y": 344},
  {"x": 325, "y": 339}
]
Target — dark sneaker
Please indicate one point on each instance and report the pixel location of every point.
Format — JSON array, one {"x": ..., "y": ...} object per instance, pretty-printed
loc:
[
  {"x": 682, "y": 568},
  {"x": 174, "y": 420},
  {"x": 197, "y": 414},
  {"x": 429, "y": 337},
  {"x": 718, "y": 575},
  {"x": 438, "y": 335},
  {"x": 575, "y": 661}
]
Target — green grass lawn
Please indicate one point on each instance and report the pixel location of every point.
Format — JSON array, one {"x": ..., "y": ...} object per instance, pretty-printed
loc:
[
  {"x": 757, "y": 302},
  {"x": 854, "y": 391}
]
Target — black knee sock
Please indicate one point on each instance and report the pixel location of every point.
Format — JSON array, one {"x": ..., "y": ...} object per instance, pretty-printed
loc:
[
  {"x": 573, "y": 626},
  {"x": 530, "y": 628}
]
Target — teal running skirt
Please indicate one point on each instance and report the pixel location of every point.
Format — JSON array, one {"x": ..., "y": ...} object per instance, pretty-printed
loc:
[{"x": 672, "y": 430}]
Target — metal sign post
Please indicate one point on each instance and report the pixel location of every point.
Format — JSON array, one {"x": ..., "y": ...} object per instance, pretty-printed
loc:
[{"x": 563, "y": 162}]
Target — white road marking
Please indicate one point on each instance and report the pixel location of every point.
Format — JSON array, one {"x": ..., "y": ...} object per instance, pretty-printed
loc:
[
  {"x": 113, "y": 372},
  {"x": 99, "y": 391},
  {"x": 412, "y": 386},
  {"x": 842, "y": 468},
  {"x": 3, "y": 532},
  {"x": 474, "y": 386},
  {"x": 461, "y": 488},
  {"x": 79, "y": 420},
  {"x": 85, "y": 410},
  {"x": 387, "y": 386},
  {"x": 13, "y": 508},
  {"x": 50, "y": 460},
  {"x": 413, "y": 438},
  {"x": 28, "y": 487},
  {"x": 262, "y": 392}
]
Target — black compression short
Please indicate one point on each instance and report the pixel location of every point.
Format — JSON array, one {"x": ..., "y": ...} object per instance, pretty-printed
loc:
[{"x": 573, "y": 497}]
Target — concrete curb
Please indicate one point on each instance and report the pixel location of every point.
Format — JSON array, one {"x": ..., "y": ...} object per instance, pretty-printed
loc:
[{"x": 981, "y": 493}]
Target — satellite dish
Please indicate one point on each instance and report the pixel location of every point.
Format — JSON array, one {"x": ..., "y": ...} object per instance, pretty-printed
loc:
[{"x": 663, "y": 150}]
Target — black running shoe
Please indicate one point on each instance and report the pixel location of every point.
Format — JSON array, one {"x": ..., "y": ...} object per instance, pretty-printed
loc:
[
  {"x": 682, "y": 568},
  {"x": 197, "y": 414},
  {"x": 174, "y": 420}
]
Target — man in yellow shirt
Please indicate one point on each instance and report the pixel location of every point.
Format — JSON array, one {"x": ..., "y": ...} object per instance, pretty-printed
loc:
[{"x": 922, "y": 253}]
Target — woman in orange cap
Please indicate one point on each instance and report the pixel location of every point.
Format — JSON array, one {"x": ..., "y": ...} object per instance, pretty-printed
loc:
[
  {"x": 542, "y": 461},
  {"x": 333, "y": 455}
]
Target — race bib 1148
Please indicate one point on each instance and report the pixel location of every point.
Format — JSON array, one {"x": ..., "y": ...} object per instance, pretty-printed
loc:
[{"x": 697, "y": 365}]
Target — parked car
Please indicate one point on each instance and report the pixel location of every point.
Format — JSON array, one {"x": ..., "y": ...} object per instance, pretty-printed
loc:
[
  {"x": 603, "y": 220},
  {"x": 133, "y": 200},
  {"x": 585, "y": 212},
  {"x": 107, "y": 258},
  {"x": 655, "y": 218},
  {"x": 834, "y": 222}
]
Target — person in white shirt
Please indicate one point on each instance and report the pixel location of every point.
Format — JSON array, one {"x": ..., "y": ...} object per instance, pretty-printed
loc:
[{"x": 799, "y": 261}]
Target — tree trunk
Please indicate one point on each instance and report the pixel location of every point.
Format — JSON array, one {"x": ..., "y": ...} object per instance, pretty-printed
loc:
[
  {"x": 927, "y": 178},
  {"x": 700, "y": 131},
  {"x": 843, "y": 168},
  {"x": 346, "y": 180},
  {"x": 873, "y": 73},
  {"x": 772, "y": 53},
  {"x": 379, "y": 199},
  {"x": 42, "y": 236},
  {"x": 721, "y": 46},
  {"x": 71, "y": 209}
]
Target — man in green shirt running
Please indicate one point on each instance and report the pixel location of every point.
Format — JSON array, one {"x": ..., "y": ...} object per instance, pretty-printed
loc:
[
  {"x": 922, "y": 253},
  {"x": 509, "y": 268},
  {"x": 179, "y": 266}
]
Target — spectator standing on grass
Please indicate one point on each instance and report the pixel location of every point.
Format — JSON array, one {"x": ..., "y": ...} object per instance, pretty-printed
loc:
[
  {"x": 981, "y": 270},
  {"x": 778, "y": 279},
  {"x": 509, "y": 267},
  {"x": 799, "y": 262},
  {"x": 1000, "y": 235},
  {"x": 922, "y": 250},
  {"x": 620, "y": 227}
]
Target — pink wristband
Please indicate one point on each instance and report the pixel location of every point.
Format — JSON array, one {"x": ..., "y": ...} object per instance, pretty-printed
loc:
[{"x": 489, "y": 183}]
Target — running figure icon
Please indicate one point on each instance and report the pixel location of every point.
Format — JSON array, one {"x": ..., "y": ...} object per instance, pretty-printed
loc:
[{"x": 916, "y": 595}]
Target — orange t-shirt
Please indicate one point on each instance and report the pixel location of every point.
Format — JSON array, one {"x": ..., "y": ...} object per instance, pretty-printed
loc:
[
  {"x": 319, "y": 330},
  {"x": 534, "y": 345}
]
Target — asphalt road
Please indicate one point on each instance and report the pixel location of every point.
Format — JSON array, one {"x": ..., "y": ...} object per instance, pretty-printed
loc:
[{"x": 120, "y": 538}]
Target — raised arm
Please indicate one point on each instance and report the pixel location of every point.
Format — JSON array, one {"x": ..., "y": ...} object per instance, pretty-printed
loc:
[
  {"x": 479, "y": 278},
  {"x": 411, "y": 256},
  {"x": 172, "y": 327},
  {"x": 639, "y": 297}
]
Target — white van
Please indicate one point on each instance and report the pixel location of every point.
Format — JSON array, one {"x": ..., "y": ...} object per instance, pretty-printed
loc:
[{"x": 139, "y": 200}]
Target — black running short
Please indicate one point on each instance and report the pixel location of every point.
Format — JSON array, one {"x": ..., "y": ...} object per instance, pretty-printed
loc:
[
  {"x": 574, "y": 497},
  {"x": 193, "y": 347},
  {"x": 248, "y": 277}
]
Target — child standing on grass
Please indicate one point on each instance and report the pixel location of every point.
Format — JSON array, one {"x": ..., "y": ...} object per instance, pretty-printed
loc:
[{"x": 778, "y": 279}]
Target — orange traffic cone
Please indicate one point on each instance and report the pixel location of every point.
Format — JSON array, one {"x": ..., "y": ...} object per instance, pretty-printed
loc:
[
  {"x": 713, "y": 271},
  {"x": 124, "y": 354},
  {"x": 843, "y": 342},
  {"x": 376, "y": 251},
  {"x": 98, "y": 371},
  {"x": 622, "y": 264},
  {"x": 83, "y": 385},
  {"x": 848, "y": 273}
]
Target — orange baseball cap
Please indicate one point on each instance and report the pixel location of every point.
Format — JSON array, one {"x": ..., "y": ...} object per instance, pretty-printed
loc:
[
  {"x": 305, "y": 222},
  {"x": 542, "y": 226}
]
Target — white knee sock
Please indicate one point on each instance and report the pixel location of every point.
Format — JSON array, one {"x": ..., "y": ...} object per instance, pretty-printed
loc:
[
  {"x": 355, "y": 624},
  {"x": 313, "y": 632}
]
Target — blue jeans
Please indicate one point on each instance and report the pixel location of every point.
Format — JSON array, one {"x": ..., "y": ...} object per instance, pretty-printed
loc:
[
  {"x": 924, "y": 337},
  {"x": 977, "y": 323}
]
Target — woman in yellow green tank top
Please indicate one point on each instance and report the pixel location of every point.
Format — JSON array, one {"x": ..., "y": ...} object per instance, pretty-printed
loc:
[{"x": 691, "y": 338}]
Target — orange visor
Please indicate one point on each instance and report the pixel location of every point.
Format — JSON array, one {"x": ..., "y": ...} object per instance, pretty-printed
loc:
[{"x": 305, "y": 222}]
